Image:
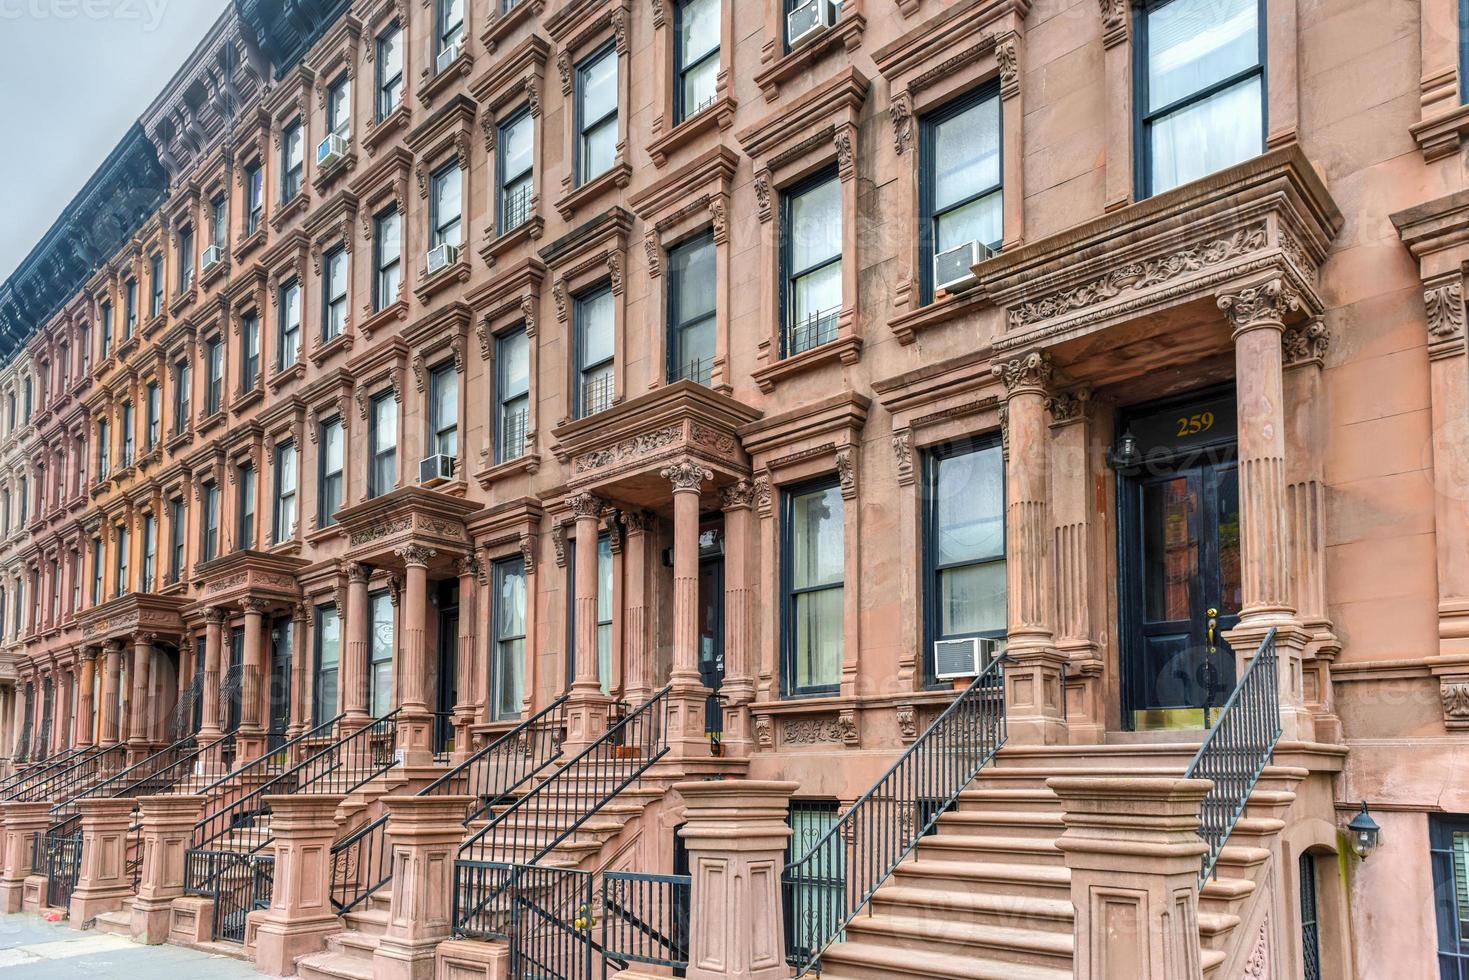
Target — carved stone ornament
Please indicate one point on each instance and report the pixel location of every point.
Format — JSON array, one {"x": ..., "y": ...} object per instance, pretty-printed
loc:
[
  {"x": 1114, "y": 14},
  {"x": 655, "y": 252},
  {"x": 466, "y": 565},
  {"x": 762, "y": 493},
  {"x": 739, "y": 495},
  {"x": 528, "y": 552},
  {"x": 1068, "y": 405},
  {"x": 686, "y": 475},
  {"x": 907, "y": 722},
  {"x": 558, "y": 542},
  {"x": 846, "y": 472},
  {"x": 1008, "y": 58},
  {"x": 1445, "y": 308},
  {"x": 843, "y": 140},
  {"x": 764, "y": 733},
  {"x": 1003, "y": 412},
  {"x": 762, "y": 197},
  {"x": 847, "y": 725},
  {"x": 1455, "y": 698},
  {"x": 903, "y": 450},
  {"x": 1264, "y": 305},
  {"x": 1031, "y": 371},
  {"x": 901, "y": 111},
  {"x": 1305, "y": 342},
  {"x": 586, "y": 506}
]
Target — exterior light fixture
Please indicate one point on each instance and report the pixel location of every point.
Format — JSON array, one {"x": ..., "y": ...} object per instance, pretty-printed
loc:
[
  {"x": 1366, "y": 835},
  {"x": 1124, "y": 456}
]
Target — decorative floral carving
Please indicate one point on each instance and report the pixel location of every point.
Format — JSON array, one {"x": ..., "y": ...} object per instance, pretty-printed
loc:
[
  {"x": 1028, "y": 371},
  {"x": 1068, "y": 405},
  {"x": 901, "y": 111},
  {"x": 528, "y": 314},
  {"x": 1266, "y": 304},
  {"x": 1257, "y": 967},
  {"x": 1455, "y": 697},
  {"x": 563, "y": 67},
  {"x": 809, "y": 731},
  {"x": 1008, "y": 58},
  {"x": 1445, "y": 308},
  {"x": 532, "y": 94},
  {"x": 903, "y": 450},
  {"x": 718, "y": 217},
  {"x": 558, "y": 293},
  {"x": 528, "y": 552},
  {"x": 640, "y": 445},
  {"x": 762, "y": 197},
  {"x": 846, "y": 472},
  {"x": 762, "y": 493},
  {"x": 739, "y": 495},
  {"x": 847, "y": 725},
  {"x": 686, "y": 475},
  {"x": 558, "y": 542},
  {"x": 1307, "y": 341},
  {"x": 654, "y": 252},
  {"x": 907, "y": 722},
  {"x": 586, "y": 505},
  {"x": 764, "y": 736},
  {"x": 843, "y": 140},
  {"x": 1004, "y": 416},
  {"x": 614, "y": 271}
]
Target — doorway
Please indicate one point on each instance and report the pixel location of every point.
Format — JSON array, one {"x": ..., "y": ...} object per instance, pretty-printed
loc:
[
  {"x": 447, "y": 689},
  {"x": 1178, "y": 526},
  {"x": 711, "y": 628}
]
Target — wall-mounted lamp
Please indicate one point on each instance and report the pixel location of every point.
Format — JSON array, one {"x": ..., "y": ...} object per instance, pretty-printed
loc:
[
  {"x": 1124, "y": 456},
  {"x": 1366, "y": 835}
]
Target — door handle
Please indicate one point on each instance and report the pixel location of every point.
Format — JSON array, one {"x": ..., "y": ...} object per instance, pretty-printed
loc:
[{"x": 1213, "y": 624}]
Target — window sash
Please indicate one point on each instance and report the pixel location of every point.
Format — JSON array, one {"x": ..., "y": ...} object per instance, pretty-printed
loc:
[
  {"x": 177, "y": 519},
  {"x": 334, "y": 294},
  {"x": 384, "y": 440},
  {"x": 290, "y": 324},
  {"x": 516, "y": 186},
  {"x": 381, "y": 649},
  {"x": 285, "y": 492},
  {"x": 387, "y": 247},
  {"x": 595, "y": 375},
  {"x": 330, "y": 462},
  {"x": 509, "y": 631},
  {"x": 389, "y": 70},
  {"x": 328, "y": 643},
  {"x": 819, "y": 326},
  {"x": 293, "y": 161},
  {"x": 211, "y": 521},
  {"x": 339, "y": 109},
  {"x": 680, "y": 365},
  {"x": 689, "y": 62},
  {"x": 246, "y": 529},
  {"x": 447, "y": 216},
  {"x": 587, "y": 126},
  {"x": 250, "y": 363},
  {"x": 798, "y": 666}
]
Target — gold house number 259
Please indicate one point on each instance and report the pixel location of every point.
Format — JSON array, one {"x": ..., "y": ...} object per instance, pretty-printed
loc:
[{"x": 1194, "y": 424}]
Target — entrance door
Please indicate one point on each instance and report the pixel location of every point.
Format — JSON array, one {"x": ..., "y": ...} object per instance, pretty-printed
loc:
[
  {"x": 1179, "y": 523},
  {"x": 282, "y": 638},
  {"x": 448, "y": 692},
  {"x": 711, "y": 630}
]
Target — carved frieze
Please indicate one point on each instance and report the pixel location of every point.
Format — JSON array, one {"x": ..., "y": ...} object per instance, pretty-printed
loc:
[{"x": 811, "y": 731}]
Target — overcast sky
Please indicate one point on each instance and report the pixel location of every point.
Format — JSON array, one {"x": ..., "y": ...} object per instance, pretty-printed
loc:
[{"x": 74, "y": 75}]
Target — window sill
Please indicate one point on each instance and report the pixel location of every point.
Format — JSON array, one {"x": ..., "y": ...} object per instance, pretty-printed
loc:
[
  {"x": 393, "y": 311},
  {"x": 250, "y": 242},
  {"x": 431, "y": 284},
  {"x": 846, "y": 33},
  {"x": 325, "y": 178},
  {"x": 152, "y": 326},
  {"x": 126, "y": 347},
  {"x": 717, "y": 115},
  {"x": 617, "y": 176},
  {"x": 183, "y": 300},
  {"x": 528, "y": 463},
  {"x": 430, "y": 87},
  {"x": 1442, "y": 135},
  {"x": 846, "y": 349},
  {"x": 378, "y": 130},
  {"x": 323, "y": 534},
  {"x": 283, "y": 377},
  {"x": 289, "y": 209},
  {"x": 218, "y": 270},
  {"x": 503, "y": 25},
  {"x": 907, "y": 326},
  {"x": 244, "y": 399},
  {"x": 495, "y": 248},
  {"x": 178, "y": 440},
  {"x": 291, "y": 546},
  {"x": 208, "y": 422},
  {"x": 341, "y": 342}
]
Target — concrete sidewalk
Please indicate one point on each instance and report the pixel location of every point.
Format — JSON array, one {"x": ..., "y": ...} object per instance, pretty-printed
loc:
[{"x": 33, "y": 949}]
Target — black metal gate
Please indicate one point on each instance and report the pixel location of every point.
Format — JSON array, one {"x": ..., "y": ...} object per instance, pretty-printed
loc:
[
  {"x": 63, "y": 865},
  {"x": 239, "y": 883}
]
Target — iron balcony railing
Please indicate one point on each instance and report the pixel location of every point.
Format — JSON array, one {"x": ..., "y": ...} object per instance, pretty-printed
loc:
[
  {"x": 1237, "y": 750},
  {"x": 596, "y": 394},
  {"x": 361, "y": 861},
  {"x": 515, "y": 207},
  {"x": 645, "y": 920},
  {"x": 514, "y": 429},
  {"x": 835, "y": 879},
  {"x": 818, "y": 328}
]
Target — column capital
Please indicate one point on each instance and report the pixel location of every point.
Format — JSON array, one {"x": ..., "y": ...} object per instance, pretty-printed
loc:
[
  {"x": 251, "y": 605},
  {"x": 586, "y": 506},
  {"x": 638, "y": 521},
  {"x": 686, "y": 476},
  {"x": 739, "y": 495},
  {"x": 1262, "y": 304},
  {"x": 466, "y": 566},
  {"x": 358, "y": 572},
  {"x": 1305, "y": 343},
  {"x": 1069, "y": 406},
  {"x": 415, "y": 555},
  {"x": 216, "y": 615},
  {"x": 1028, "y": 373}
]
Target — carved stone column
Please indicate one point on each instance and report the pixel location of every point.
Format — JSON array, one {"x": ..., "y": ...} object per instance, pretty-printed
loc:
[
  {"x": 640, "y": 678},
  {"x": 168, "y": 826},
  {"x": 1033, "y": 680},
  {"x": 686, "y": 700},
  {"x": 301, "y": 695},
  {"x": 358, "y": 631},
  {"x": 300, "y": 916},
  {"x": 738, "y": 501},
  {"x": 142, "y": 707},
  {"x": 415, "y": 721},
  {"x": 111, "y": 682},
  {"x": 468, "y": 660},
  {"x": 103, "y": 884},
  {"x": 210, "y": 732},
  {"x": 252, "y": 731},
  {"x": 424, "y": 833},
  {"x": 1257, "y": 312},
  {"x": 586, "y": 711}
]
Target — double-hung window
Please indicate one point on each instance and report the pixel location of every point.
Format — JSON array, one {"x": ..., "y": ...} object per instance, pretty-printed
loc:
[
  {"x": 516, "y": 142},
  {"x": 964, "y": 543},
  {"x": 155, "y": 285},
  {"x": 129, "y": 421},
  {"x": 507, "y": 673},
  {"x": 182, "y": 381},
  {"x": 186, "y": 259},
  {"x": 389, "y": 70},
  {"x": 106, "y": 331},
  {"x": 178, "y": 518},
  {"x": 155, "y": 415},
  {"x": 960, "y": 191},
  {"x": 130, "y": 309},
  {"x": 120, "y": 560},
  {"x": 99, "y": 559},
  {"x": 384, "y": 438},
  {"x": 150, "y": 553},
  {"x": 512, "y": 394},
  {"x": 250, "y": 363},
  {"x": 691, "y": 310},
  {"x": 104, "y": 449},
  {"x": 329, "y": 472},
  {"x": 293, "y": 161},
  {"x": 246, "y": 508},
  {"x": 214, "y": 394},
  {"x": 1448, "y": 843},
  {"x": 813, "y": 563},
  {"x": 288, "y": 340},
  {"x": 697, "y": 51},
  {"x": 210, "y": 523},
  {"x": 444, "y": 410},
  {"x": 595, "y": 350},
  {"x": 811, "y": 262},
  {"x": 596, "y": 114},
  {"x": 284, "y": 518},
  {"x": 219, "y": 212},
  {"x": 449, "y": 26},
  {"x": 328, "y": 658},
  {"x": 387, "y": 258},
  {"x": 254, "y": 197},
  {"x": 339, "y": 108},
  {"x": 334, "y": 295},
  {"x": 448, "y": 211},
  {"x": 1202, "y": 79},
  {"x": 380, "y": 668}
]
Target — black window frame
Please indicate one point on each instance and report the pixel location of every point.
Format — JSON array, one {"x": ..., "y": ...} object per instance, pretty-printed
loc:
[
  {"x": 187, "y": 258},
  {"x": 254, "y": 197},
  {"x": 584, "y": 125},
  {"x": 681, "y": 69},
  {"x": 99, "y": 567},
  {"x": 338, "y": 95},
  {"x": 1453, "y": 946},
  {"x": 130, "y": 308},
  {"x": 120, "y": 560},
  {"x": 320, "y": 711},
  {"x": 375, "y": 453},
  {"x": 209, "y": 522},
  {"x": 326, "y": 513},
  {"x": 928, "y": 178},
  {"x": 293, "y": 176},
  {"x": 281, "y": 530},
  {"x": 676, "y": 329},
  {"x": 436, "y": 376},
  {"x": 502, "y": 416},
  {"x": 388, "y": 89},
  {"x": 335, "y": 301},
  {"x": 380, "y": 268},
  {"x": 129, "y": 436},
  {"x": 150, "y": 553},
  {"x": 177, "y": 533},
  {"x": 437, "y": 225},
  {"x": 219, "y": 221},
  {"x": 788, "y": 592},
  {"x": 446, "y": 33},
  {"x": 156, "y": 285},
  {"x": 789, "y": 275},
  {"x": 499, "y": 571},
  {"x": 288, "y": 348},
  {"x": 247, "y": 503},
  {"x": 249, "y": 362},
  {"x": 214, "y": 376},
  {"x": 183, "y": 379},
  {"x": 153, "y": 392},
  {"x": 107, "y": 333},
  {"x": 507, "y": 211},
  {"x": 580, "y": 403}
]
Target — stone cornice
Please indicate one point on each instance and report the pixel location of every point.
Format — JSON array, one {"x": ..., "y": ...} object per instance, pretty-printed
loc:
[{"x": 837, "y": 101}]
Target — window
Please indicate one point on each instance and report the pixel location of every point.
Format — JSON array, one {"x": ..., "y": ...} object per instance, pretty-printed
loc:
[
  {"x": 186, "y": 259},
  {"x": 210, "y": 523},
  {"x": 813, "y": 560},
  {"x": 594, "y": 352},
  {"x": 120, "y": 558},
  {"x": 99, "y": 559},
  {"x": 182, "y": 381},
  {"x": 508, "y": 669},
  {"x": 5, "y": 518},
  {"x": 387, "y": 259},
  {"x": 811, "y": 260},
  {"x": 816, "y": 888},
  {"x": 293, "y": 161},
  {"x": 444, "y": 410},
  {"x": 328, "y": 659},
  {"x": 104, "y": 449},
  {"x": 697, "y": 51},
  {"x": 1310, "y": 918},
  {"x": 512, "y": 388},
  {"x": 128, "y": 443},
  {"x": 26, "y": 390},
  {"x": 106, "y": 331},
  {"x": 447, "y": 209},
  {"x": 1202, "y": 81},
  {"x": 960, "y": 191},
  {"x": 596, "y": 114},
  {"x": 790, "y": 5},
  {"x": 214, "y": 395},
  {"x": 334, "y": 296},
  {"x": 289, "y": 340},
  {"x": 964, "y": 543},
  {"x": 384, "y": 439},
  {"x": 389, "y": 70},
  {"x": 691, "y": 310},
  {"x": 284, "y": 521},
  {"x": 450, "y": 26},
  {"x": 155, "y": 285},
  {"x": 150, "y": 553},
  {"x": 130, "y": 308},
  {"x": 219, "y": 220},
  {"x": 517, "y": 144},
  {"x": 246, "y": 503},
  {"x": 1448, "y": 842},
  {"x": 380, "y": 670},
  {"x": 155, "y": 415},
  {"x": 177, "y": 522},
  {"x": 250, "y": 363},
  {"x": 254, "y": 197},
  {"x": 329, "y": 475},
  {"x": 25, "y": 501},
  {"x": 339, "y": 108}
]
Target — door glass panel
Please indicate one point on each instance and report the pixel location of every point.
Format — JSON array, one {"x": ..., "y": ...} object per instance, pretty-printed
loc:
[
  {"x": 1231, "y": 595},
  {"x": 1170, "y": 550}
]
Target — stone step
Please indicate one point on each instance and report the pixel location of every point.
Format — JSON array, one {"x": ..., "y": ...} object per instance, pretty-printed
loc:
[
  {"x": 1036, "y": 824},
  {"x": 868, "y": 961},
  {"x": 997, "y": 849},
  {"x": 371, "y": 921},
  {"x": 1010, "y": 799},
  {"x": 978, "y": 907},
  {"x": 967, "y": 877},
  {"x": 118, "y": 923},
  {"x": 928, "y": 932},
  {"x": 328, "y": 965},
  {"x": 358, "y": 945}
]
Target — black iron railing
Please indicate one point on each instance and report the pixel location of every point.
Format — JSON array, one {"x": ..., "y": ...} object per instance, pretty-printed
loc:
[
  {"x": 361, "y": 861},
  {"x": 78, "y": 774},
  {"x": 835, "y": 879},
  {"x": 816, "y": 329},
  {"x": 515, "y": 207},
  {"x": 645, "y": 919},
  {"x": 240, "y": 883},
  {"x": 60, "y": 862},
  {"x": 1237, "y": 750},
  {"x": 275, "y": 762},
  {"x": 38, "y": 771},
  {"x": 544, "y": 914}
]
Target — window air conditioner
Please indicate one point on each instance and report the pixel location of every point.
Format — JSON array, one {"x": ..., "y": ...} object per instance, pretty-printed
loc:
[
  {"x": 213, "y": 256},
  {"x": 442, "y": 257},
  {"x": 953, "y": 271},
  {"x": 963, "y": 658},
  {"x": 435, "y": 470},
  {"x": 330, "y": 151},
  {"x": 447, "y": 57},
  {"x": 809, "y": 19}
]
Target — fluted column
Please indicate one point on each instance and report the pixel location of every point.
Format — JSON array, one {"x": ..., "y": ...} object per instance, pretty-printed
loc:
[
  {"x": 639, "y": 678},
  {"x": 738, "y": 502},
  {"x": 415, "y": 723},
  {"x": 358, "y": 631},
  {"x": 141, "y": 709},
  {"x": 111, "y": 680},
  {"x": 587, "y": 708},
  {"x": 686, "y": 700},
  {"x": 467, "y": 663},
  {"x": 209, "y": 719},
  {"x": 301, "y": 699},
  {"x": 252, "y": 732},
  {"x": 1033, "y": 681},
  {"x": 86, "y": 701}
]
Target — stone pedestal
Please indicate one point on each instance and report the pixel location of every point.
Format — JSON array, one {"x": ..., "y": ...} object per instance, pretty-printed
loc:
[
  {"x": 168, "y": 826},
  {"x": 736, "y": 835},
  {"x": 104, "y": 884},
  {"x": 300, "y": 916},
  {"x": 23, "y": 821},
  {"x": 1133, "y": 848},
  {"x": 424, "y": 833},
  {"x": 467, "y": 959}
]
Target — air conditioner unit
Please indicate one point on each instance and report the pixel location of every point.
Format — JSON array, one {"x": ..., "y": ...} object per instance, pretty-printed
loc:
[
  {"x": 435, "y": 470},
  {"x": 809, "y": 19},
  {"x": 953, "y": 271},
  {"x": 963, "y": 658},
  {"x": 330, "y": 151},
  {"x": 213, "y": 256},
  {"x": 447, "y": 57},
  {"x": 442, "y": 257}
]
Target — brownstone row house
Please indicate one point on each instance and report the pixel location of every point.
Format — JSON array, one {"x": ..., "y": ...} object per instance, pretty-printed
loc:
[{"x": 746, "y": 378}]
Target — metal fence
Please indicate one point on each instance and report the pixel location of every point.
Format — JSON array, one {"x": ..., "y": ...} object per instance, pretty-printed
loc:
[
  {"x": 645, "y": 919},
  {"x": 545, "y": 915},
  {"x": 240, "y": 883}
]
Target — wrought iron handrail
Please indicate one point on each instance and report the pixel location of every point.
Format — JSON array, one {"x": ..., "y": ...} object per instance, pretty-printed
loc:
[
  {"x": 360, "y": 865},
  {"x": 835, "y": 879},
  {"x": 275, "y": 760},
  {"x": 535, "y": 824},
  {"x": 1236, "y": 751},
  {"x": 31, "y": 773},
  {"x": 645, "y": 919},
  {"x": 72, "y": 779}
]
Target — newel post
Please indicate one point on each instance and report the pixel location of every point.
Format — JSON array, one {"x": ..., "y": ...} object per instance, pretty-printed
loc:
[
  {"x": 103, "y": 884},
  {"x": 168, "y": 826},
  {"x": 1133, "y": 848},
  {"x": 736, "y": 833},
  {"x": 300, "y": 916},
  {"x": 23, "y": 821},
  {"x": 424, "y": 833}
]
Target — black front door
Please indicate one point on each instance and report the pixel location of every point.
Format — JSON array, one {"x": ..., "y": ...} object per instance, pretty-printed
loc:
[
  {"x": 448, "y": 692},
  {"x": 282, "y": 640},
  {"x": 1179, "y": 521},
  {"x": 711, "y": 630}
]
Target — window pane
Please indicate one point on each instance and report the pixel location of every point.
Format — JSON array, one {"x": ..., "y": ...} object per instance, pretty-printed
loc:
[
  {"x": 385, "y": 424},
  {"x": 518, "y": 141},
  {"x": 698, "y": 29},
  {"x": 595, "y": 323},
  {"x": 700, "y": 85},
  {"x": 382, "y": 655},
  {"x": 331, "y": 446},
  {"x": 815, "y": 234},
  {"x": 693, "y": 271},
  {"x": 978, "y": 221},
  {"x": 390, "y": 245},
  {"x": 447, "y": 190},
  {"x": 446, "y": 398},
  {"x": 818, "y": 294},
  {"x": 390, "y": 48},
  {"x": 600, "y": 149},
  {"x": 817, "y": 620},
  {"x": 1194, "y": 43},
  {"x": 969, "y": 507},
  {"x": 966, "y": 154},
  {"x": 972, "y": 599},
  {"x": 598, "y": 88},
  {"x": 817, "y": 529},
  {"x": 1206, "y": 136},
  {"x": 514, "y": 358}
]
